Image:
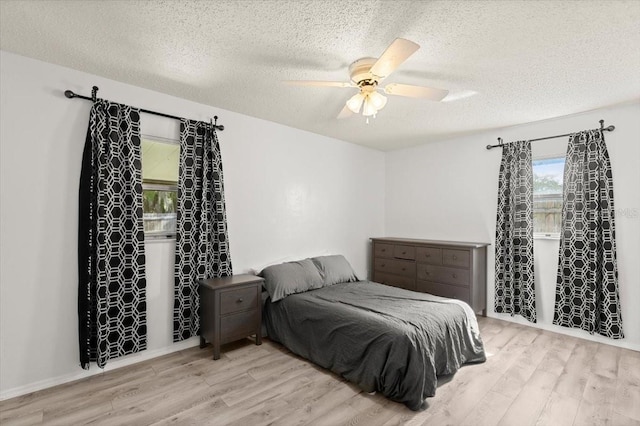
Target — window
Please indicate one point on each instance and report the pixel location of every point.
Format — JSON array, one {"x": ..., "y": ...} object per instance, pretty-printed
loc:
[
  {"x": 547, "y": 197},
  {"x": 160, "y": 160}
]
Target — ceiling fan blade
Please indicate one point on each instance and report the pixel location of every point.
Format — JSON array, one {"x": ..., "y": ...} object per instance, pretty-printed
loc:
[
  {"x": 345, "y": 113},
  {"x": 396, "y": 53},
  {"x": 318, "y": 83},
  {"x": 415, "y": 91},
  {"x": 459, "y": 95}
]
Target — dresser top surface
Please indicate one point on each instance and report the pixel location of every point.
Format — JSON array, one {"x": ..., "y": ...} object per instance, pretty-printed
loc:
[
  {"x": 414, "y": 241},
  {"x": 231, "y": 281}
]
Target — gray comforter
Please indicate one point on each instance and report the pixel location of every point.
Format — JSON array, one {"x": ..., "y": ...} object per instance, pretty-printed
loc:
[{"x": 382, "y": 338}]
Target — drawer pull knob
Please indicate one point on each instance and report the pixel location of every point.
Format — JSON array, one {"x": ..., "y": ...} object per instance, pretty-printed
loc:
[
  {"x": 382, "y": 265},
  {"x": 404, "y": 269},
  {"x": 428, "y": 255},
  {"x": 455, "y": 257},
  {"x": 455, "y": 276},
  {"x": 240, "y": 300},
  {"x": 383, "y": 250},
  {"x": 404, "y": 252}
]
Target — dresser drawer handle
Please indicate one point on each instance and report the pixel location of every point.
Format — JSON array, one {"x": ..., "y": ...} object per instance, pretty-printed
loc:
[
  {"x": 455, "y": 257},
  {"x": 383, "y": 250},
  {"x": 382, "y": 265},
  {"x": 427, "y": 255},
  {"x": 454, "y": 275},
  {"x": 240, "y": 300},
  {"x": 404, "y": 252},
  {"x": 404, "y": 269}
]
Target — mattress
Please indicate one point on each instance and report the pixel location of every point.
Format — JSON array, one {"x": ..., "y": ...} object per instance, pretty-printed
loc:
[{"x": 381, "y": 338}]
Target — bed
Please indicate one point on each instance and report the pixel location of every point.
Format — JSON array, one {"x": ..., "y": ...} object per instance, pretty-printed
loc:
[{"x": 381, "y": 338}]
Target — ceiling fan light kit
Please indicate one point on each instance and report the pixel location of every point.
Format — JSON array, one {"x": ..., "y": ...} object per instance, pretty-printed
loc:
[
  {"x": 377, "y": 100},
  {"x": 370, "y": 101},
  {"x": 368, "y": 109},
  {"x": 355, "y": 102},
  {"x": 367, "y": 73}
]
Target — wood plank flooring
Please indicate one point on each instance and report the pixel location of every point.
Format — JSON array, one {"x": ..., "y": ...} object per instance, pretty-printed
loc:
[{"x": 531, "y": 377}]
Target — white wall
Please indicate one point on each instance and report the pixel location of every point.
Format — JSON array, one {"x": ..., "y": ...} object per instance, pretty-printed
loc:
[
  {"x": 448, "y": 190},
  {"x": 289, "y": 193}
]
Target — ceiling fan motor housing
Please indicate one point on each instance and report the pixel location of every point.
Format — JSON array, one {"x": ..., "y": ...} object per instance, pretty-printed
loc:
[{"x": 360, "y": 71}]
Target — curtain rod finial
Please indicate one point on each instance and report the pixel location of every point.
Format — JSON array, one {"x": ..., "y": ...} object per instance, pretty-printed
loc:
[{"x": 69, "y": 94}]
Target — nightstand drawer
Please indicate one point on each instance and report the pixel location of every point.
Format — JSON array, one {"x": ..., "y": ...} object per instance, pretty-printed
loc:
[
  {"x": 237, "y": 326},
  {"x": 238, "y": 300}
]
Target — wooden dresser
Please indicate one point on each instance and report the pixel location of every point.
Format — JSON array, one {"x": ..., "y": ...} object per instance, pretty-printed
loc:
[
  {"x": 443, "y": 268},
  {"x": 230, "y": 309}
]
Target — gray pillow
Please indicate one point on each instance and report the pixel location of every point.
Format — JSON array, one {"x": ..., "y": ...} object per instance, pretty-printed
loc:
[
  {"x": 334, "y": 269},
  {"x": 290, "y": 278}
]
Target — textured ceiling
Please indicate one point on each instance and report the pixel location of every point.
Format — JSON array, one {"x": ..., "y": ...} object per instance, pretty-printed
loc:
[{"x": 505, "y": 62}]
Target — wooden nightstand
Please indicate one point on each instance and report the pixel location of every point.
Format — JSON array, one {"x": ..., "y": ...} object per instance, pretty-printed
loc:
[{"x": 230, "y": 309}]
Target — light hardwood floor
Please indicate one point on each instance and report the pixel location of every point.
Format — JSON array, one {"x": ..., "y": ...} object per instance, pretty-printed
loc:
[{"x": 531, "y": 377}]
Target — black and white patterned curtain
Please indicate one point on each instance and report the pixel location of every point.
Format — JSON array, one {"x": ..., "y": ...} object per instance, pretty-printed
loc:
[
  {"x": 587, "y": 284},
  {"x": 514, "y": 289},
  {"x": 111, "y": 257},
  {"x": 202, "y": 244}
]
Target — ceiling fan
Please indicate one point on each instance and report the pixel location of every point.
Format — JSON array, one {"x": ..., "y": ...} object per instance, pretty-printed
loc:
[{"x": 367, "y": 74}]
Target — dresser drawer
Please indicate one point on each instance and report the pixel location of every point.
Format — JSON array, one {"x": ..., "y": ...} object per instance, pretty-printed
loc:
[
  {"x": 444, "y": 290},
  {"x": 238, "y": 300},
  {"x": 404, "y": 252},
  {"x": 443, "y": 274},
  {"x": 447, "y": 268},
  {"x": 398, "y": 267},
  {"x": 237, "y": 326},
  {"x": 456, "y": 258},
  {"x": 429, "y": 255},
  {"x": 383, "y": 250},
  {"x": 395, "y": 280}
]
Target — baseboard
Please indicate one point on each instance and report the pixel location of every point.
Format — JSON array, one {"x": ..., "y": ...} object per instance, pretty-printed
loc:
[
  {"x": 111, "y": 365},
  {"x": 573, "y": 332}
]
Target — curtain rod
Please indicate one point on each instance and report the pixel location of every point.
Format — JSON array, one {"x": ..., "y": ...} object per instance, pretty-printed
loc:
[
  {"x": 602, "y": 128},
  {"x": 69, "y": 94}
]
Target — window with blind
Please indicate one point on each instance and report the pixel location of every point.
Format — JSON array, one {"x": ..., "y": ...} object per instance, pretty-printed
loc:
[{"x": 547, "y": 196}]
